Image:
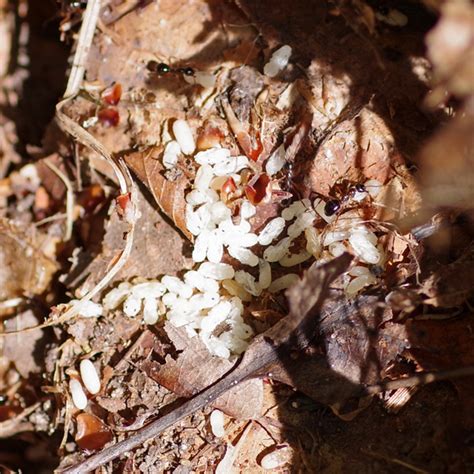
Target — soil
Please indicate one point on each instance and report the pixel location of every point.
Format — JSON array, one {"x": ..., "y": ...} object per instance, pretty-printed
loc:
[{"x": 367, "y": 107}]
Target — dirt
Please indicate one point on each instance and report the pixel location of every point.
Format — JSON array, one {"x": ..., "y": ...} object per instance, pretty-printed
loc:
[{"x": 359, "y": 99}]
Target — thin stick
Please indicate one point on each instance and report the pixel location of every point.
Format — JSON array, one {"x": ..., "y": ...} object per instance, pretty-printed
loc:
[
  {"x": 89, "y": 23},
  {"x": 421, "y": 379},
  {"x": 150, "y": 431},
  {"x": 395, "y": 461},
  {"x": 86, "y": 139},
  {"x": 8, "y": 427},
  {"x": 55, "y": 217},
  {"x": 69, "y": 198}
]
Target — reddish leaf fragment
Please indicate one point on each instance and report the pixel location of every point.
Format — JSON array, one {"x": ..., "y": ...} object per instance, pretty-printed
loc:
[
  {"x": 109, "y": 116},
  {"x": 257, "y": 191},
  {"x": 168, "y": 193},
  {"x": 209, "y": 137},
  {"x": 7, "y": 412},
  {"x": 228, "y": 188},
  {"x": 255, "y": 151},
  {"x": 92, "y": 433},
  {"x": 42, "y": 203},
  {"x": 122, "y": 202},
  {"x": 112, "y": 94}
]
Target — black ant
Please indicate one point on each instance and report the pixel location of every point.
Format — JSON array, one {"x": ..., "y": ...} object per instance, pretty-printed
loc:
[
  {"x": 163, "y": 68},
  {"x": 346, "y": 192}
]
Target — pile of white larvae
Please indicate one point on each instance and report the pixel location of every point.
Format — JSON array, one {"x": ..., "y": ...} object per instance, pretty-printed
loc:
[{"x": 208, "y": 301}]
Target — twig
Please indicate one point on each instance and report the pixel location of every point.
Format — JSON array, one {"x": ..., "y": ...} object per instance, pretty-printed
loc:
[
  {"x": 265, "y": 351},
  {"x": 69, "y": 198},
  {"x": 436, "y": 223},
  {"x": 85, "y": 138},
  {"x": 9, "y": 427},
  {"x": 394, "y": 460},
  {"x": 67, "y": 423},
  {"x": 55, "y": 217},
  {"x": 89, "y": 23},
  {"x": 420, "y": 379}
]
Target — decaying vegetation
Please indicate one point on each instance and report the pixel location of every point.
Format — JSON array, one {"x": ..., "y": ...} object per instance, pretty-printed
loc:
[{"x": 236, "y": 236}]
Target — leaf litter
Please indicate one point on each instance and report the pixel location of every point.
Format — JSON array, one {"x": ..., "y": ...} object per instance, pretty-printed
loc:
[{"x": 349, "y": 121}]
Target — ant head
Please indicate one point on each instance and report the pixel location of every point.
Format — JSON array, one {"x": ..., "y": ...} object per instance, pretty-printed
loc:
[{"x": 158, "y": 68}]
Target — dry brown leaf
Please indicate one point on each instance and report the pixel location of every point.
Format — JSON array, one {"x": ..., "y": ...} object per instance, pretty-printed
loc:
[
  {"x": 195, "y": 369},
  {"x": 357, "y": 149},
  {"x": 168, "y": 192},
  {"x": 32, "y": 342},
  {"x": 360, "y": 343},
  {"x": 451, "y": 285},
  {"x": 149, "y": 258},
  {"x": 24, "y": 268},
  {"x": 361, "y": 340}
]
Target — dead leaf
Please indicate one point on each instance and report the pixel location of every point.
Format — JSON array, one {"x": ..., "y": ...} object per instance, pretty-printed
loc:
[
  {"x": 360, "y": 343},
  {"x": 442, "y": 344},
  {"x": 148, "y": 258},
  {"x": 360, "y": 339},
  {"x": 195, "y": 369},
  {"x": 451, "y": 285},
  {"x": 357, "y": 149},
  {"x": 32, "y": 343},
  {"x": 169, "y": 193},
  {"x": 24, "y": 268}
]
